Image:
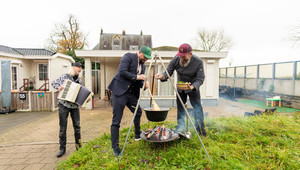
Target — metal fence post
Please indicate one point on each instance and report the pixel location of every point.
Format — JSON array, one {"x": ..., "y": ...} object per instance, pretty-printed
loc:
[
  {"x": 29, "y": 100},
  {"x": 257, "y": 76},
  {"x": 294, "y": 76},
  {"x": 273, "y": 73}
]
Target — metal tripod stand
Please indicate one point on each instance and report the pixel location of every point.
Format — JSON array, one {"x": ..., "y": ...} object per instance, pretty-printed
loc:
[{"x": 177, "y": 94}]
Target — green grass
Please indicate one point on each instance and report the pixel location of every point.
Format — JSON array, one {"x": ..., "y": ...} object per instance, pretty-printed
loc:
[
  {"x": 263, "y": 106},
  {"x": 257, "y": 142}
]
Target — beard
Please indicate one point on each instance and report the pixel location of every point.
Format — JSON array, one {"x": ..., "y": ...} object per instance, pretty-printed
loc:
[
  {"x": 142, "y": 61},
  {"x": 184, "y": 62}
]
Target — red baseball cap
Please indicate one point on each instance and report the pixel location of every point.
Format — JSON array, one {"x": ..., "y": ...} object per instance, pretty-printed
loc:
[{"x": 184, "y": 49}]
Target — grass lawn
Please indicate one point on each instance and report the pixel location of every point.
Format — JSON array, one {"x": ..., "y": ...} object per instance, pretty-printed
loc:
[
  {"x": 263, "y": 106},
  {"x": 257, "y": 142}
]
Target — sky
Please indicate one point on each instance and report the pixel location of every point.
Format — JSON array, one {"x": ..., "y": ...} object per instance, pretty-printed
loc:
[{"x": 259, "y": 29}]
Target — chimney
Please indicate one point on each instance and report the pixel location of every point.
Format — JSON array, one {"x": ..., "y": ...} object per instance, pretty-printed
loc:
[
  {"x": 123, "y": 32},
  {"x": 141, "y": 32},
  {"x": 101, "y": 32}
]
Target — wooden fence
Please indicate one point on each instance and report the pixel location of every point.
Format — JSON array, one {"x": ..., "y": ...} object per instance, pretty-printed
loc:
[{"x": 33, "y": 101}]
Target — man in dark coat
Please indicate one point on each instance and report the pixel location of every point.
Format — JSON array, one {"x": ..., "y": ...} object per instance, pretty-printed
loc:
[
  {"x": 125, "y": 87},
  {"x": 189, "y": 68}
]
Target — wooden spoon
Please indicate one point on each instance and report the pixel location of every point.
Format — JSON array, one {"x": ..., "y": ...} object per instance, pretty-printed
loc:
[{"x": 155, "y": 106}]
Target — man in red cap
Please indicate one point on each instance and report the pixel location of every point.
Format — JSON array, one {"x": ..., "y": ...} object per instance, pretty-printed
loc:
[{"x": 189, "y": 68}]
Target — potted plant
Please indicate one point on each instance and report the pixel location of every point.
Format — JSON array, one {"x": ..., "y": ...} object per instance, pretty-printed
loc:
[{"x": 31, "y": 82}]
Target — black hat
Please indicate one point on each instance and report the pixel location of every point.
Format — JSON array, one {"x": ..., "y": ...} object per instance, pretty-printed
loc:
[{"x": 77, "y": 64}]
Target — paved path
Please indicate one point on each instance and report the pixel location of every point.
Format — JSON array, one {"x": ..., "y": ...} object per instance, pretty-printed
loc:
[{"x": 30, "y": 140}]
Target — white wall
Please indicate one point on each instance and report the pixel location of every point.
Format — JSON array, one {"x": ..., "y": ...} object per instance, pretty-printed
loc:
[{"x": 58, "y": 66}]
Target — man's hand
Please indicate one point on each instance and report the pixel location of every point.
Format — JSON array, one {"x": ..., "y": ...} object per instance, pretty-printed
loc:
[
  {"x": 60, "y": 88},
  {"x": 191, "y": 87},
  {"x": 188, "y": 88},
  {"x": 159, "y": 76},
  {"x": 147, "y": 85},
  {"x": 141, "y": 77}
]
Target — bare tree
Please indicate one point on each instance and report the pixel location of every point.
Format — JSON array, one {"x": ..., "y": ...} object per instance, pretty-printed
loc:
[
  {"x": 215, "y": 40},
  {"x": 294, "y": 34},
  {"x": 66, "y": 38}
]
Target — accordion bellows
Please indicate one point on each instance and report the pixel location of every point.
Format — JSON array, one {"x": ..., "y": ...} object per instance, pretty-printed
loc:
[{"x": 75, "y": 93}]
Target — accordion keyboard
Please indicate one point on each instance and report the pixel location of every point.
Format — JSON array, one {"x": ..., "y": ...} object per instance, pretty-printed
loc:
[{"x": 66, "y": 89}]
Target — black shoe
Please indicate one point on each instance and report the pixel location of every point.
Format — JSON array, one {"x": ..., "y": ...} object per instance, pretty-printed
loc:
[
  {"x": 117, "y": 152},
  {"x": 61, "y": 152},
  {"x": 77, "y": 146},
  {"x": 137, "y": 139},
  {"x": 202, "y": 133}
]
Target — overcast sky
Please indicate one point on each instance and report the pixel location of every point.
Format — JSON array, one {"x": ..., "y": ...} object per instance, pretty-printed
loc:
[{"x": 259, "y": 28}]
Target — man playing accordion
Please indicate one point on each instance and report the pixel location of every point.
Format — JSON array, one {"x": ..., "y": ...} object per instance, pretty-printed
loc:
[{"x": 66, "y": 107}]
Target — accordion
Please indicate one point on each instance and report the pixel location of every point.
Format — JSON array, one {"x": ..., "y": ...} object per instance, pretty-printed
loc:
[{"x": 75, "y": 93}]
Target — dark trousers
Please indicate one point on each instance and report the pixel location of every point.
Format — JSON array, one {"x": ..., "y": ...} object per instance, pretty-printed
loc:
[
  {"x": 63, "y": 122},
  {"x": 197, "y": 110},
  {"x": 119, "y": 102}
]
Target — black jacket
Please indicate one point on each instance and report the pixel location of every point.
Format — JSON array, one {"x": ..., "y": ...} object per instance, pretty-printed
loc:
[{"x": 126, "y": 76}]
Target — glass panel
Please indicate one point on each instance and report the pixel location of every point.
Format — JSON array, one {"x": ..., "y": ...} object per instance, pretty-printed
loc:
[
  {"x": 240, "y": 71},
  {"x": 230, "y": 72},
  {"x": 165, "y": 88},
  {"x": 222, "y": 72},
  {"x": 14, "y": 78},
  {"x": 43, "y": 71},
  {"x": 298, "y": 70},
  {"x": 41, "y": 76},
  {"x": 266, "y": 71},
  {"x": 45, "y": 75},
  {"x": 251, "y": 71},
  {"x": 284, "y": 70}
]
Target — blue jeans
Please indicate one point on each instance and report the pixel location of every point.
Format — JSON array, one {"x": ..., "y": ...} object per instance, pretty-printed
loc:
[{"x": 197, "y": 111}]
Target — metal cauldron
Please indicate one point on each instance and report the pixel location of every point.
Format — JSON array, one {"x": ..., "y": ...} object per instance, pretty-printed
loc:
[{"x": 156, "y": 115}]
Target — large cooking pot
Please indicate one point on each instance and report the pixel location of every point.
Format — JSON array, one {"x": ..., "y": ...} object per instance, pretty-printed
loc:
[{"x": 156, "y": 115}]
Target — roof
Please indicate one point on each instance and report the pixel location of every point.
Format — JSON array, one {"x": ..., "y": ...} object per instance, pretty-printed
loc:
[
  {"x": 26, "y": 51},
  {"x": 6, "y": 49},
  {"x": 124, "y": 41}
]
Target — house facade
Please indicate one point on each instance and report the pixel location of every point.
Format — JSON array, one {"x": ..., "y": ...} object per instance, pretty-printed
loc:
[
  {"x": 109, "y": 52},
  {"x": 37, "y": 65}
]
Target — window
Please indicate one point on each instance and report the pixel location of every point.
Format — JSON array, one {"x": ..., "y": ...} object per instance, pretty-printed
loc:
[
  {"x": 14, "y": 78},
  {"x": 43, "y": 71},
  {"x": 134, "y": 47}
]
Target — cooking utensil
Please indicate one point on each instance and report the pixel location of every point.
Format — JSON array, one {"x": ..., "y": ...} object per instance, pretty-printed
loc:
[
  {"x": 156, "y": 115},
  {"x": 155, "y": 106}
]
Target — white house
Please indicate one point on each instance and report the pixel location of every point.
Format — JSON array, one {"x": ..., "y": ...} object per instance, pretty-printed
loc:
[
  {"x": 41, "y": 65},
  {"x": 110, "y": 59}
]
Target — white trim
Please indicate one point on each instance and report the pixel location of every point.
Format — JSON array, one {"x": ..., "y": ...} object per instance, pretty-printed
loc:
[
  {"x": 63, "y": 56},
  {"x": 11, "y": 55},
  {"x": 37, "y": 77},
  {"x": 37, "y": 56},
  {"x": 38, "y": 61}
]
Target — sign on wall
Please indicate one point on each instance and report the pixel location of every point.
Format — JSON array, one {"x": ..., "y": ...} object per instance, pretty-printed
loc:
[
  {"x": 22, "y": 96},
  {"x": 41, "y": 94}
]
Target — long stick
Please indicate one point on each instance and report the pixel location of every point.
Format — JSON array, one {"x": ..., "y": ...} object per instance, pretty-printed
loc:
[
  {"x": 186, "y": 112},
  {"x": 134, "y": 114},
  {"x": 155, "y": 106}
]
